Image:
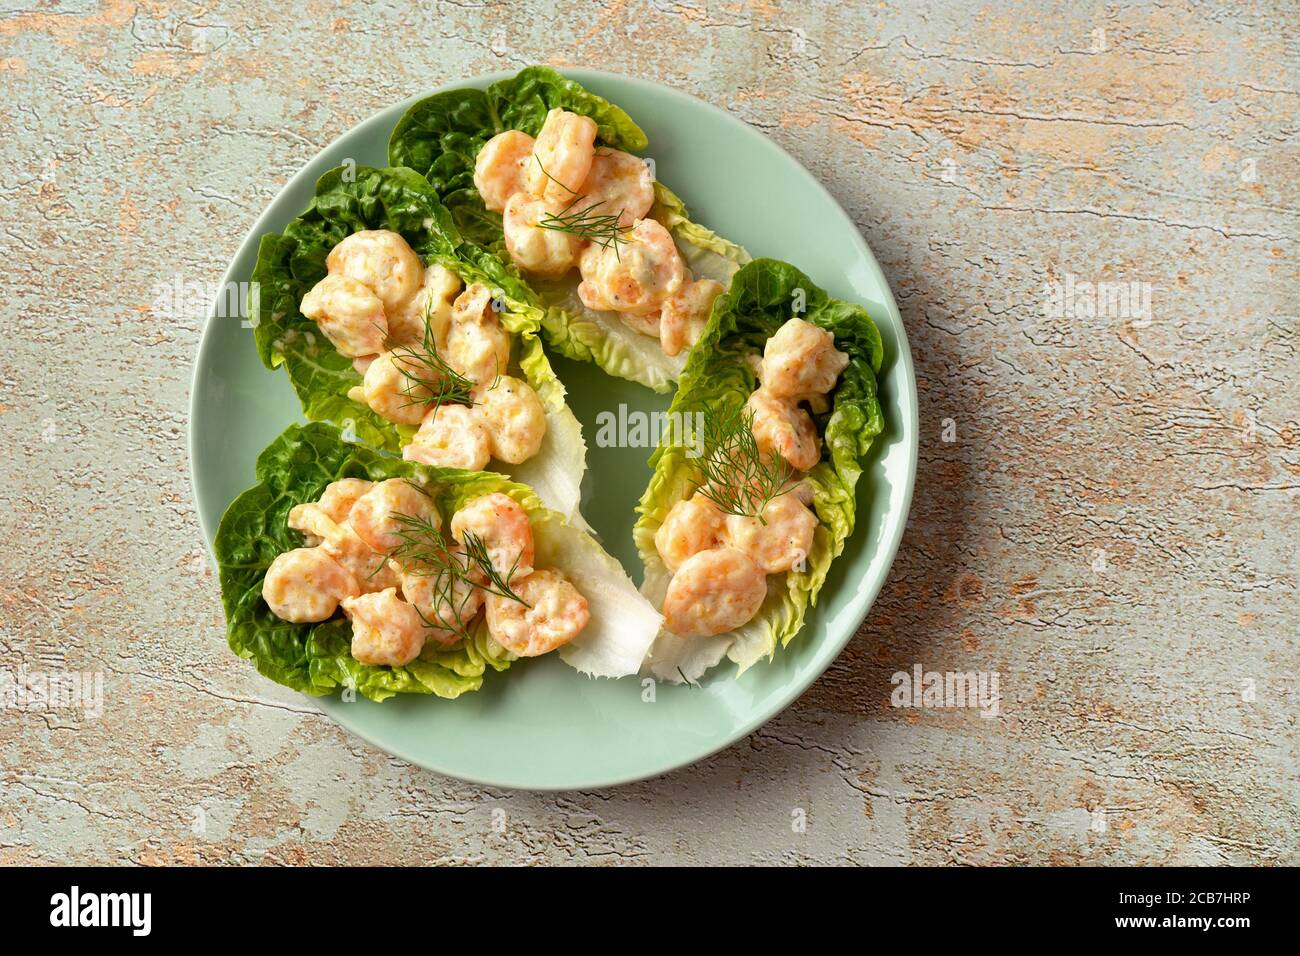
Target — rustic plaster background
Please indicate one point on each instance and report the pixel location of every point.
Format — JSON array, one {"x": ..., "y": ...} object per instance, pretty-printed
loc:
[{"x": 1112, "y": 527}]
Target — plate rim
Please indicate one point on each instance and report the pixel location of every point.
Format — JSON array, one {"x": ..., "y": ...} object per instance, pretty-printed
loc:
[{"x": 909, "y": 432}]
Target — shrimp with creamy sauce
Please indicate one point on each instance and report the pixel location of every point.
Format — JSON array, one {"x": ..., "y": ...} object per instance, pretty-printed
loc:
[
  {"x": 691, "y": 526},
  {"x": 348, "y": 313},
  {"x": 384, "y": 514},
  {"x": 532, "y": 246},
  {"x": 344, "y": 545},
  {"x": 514, "y": 419},
  {"x": 685, "y": 314},
  {"x": 501, "y": 524},
  {"x": 713, "y": 592},
  {"x": 386, "y": 630},
  {"x": 551, "y": 614},
  {"x": 339, "y": 496},
  {"x": 381, "y": 260},
  {"x": 431, "y": 303},
  {"x": 451, "y": 436},
  {"x": 501, "y": 167},
  {"x": 781, "y": 540},
  {"x": 477, "y": 346},
  {"x": 635, "y": 275},
  {"x": 400, "y": 600},
  {"x": 561, "y": 156},
  {"x": 618, "y": 184},
  {"x": 447, "y": 602},
  {"x": 783, "y": 428},
  {"x": 395, "y": 385},
  {"x": 559, "y": 193},
  {"x": 801, "y": 361},
  {"x": 306, "y": 585}
]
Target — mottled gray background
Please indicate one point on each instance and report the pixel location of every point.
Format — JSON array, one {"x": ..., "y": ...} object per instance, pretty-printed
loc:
[{"x": 1112, "y": 527}]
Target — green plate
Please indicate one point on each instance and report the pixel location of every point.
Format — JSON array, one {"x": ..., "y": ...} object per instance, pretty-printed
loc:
[{"x": 540, "y": 725}]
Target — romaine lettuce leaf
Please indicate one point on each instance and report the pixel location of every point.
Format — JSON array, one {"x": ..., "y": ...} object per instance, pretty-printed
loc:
[
  {"x": 720, "y": 374},
  {"x": 316, "y": 659},
  {"x": 441, "y": 136},
  {"x": 349, "y": 199}
]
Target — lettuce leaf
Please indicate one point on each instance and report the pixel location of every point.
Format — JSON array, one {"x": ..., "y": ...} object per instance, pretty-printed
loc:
[
  {"x": 316, "y": 659},
  {"x": 349, "y": 199},
  {"x": 441, "y": 136},
  {"x": 720, "y": 374}
]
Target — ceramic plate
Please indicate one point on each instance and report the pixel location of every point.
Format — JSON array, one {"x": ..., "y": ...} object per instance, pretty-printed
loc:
[{"x": 542, "y": 725}]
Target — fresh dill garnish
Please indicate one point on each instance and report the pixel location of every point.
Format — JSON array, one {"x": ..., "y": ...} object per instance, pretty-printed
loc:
[
  {"x": 537, "y": 159},
  {"x": 427, "y": 550},
  {"x": 604, "y": 229},
  {"x": 601, "y": 228},
  {"x": 430, "y": 379},
  {"x": 734, "y": 474}
]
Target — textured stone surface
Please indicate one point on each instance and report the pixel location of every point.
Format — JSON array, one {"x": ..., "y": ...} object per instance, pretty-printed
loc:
[{"x": 1112, "y": 528}]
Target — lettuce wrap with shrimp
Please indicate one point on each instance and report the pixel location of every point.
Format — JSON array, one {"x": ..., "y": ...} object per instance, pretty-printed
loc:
[
  {"x": 353, "y": 198},
  {"x": 316, "y": 658},
  {"x": 719, "y": 377},
  {"x": 441, "y": 135}
]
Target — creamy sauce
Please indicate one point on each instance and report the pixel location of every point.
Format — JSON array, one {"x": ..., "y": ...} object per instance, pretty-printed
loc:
[{"x": 567, "y": 204}]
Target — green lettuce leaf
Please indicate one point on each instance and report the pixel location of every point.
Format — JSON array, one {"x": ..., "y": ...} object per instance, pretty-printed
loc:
[
  {"x": 720, "y": 374},
  {"x": 352, "y": 198},
  {"x": 441, "y": 135},
  {"x": 316, "y": 659}
]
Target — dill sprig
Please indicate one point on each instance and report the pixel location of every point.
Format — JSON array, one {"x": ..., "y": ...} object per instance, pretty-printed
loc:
[
  {"x": 538, "y": 160},
  {"x": 584, "y": 222},
  {"x": 734, "y": 474},
  {"x": 601, "y": 228},
  {"x": 430, "y": 380},
  {"x": 427, "y": 550}
]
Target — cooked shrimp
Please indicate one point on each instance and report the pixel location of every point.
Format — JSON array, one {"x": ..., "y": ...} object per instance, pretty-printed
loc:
[
  {"x": 691, "y": 526},
  {"x": 312, "y": 521},
  {"x": 561, "y": 156},
  {"x": 362, "y": 364},
  {"x": 546, "y": 252},
  {"x": 783, "y": 428},
  {"x": 637, "y": 275},
  {"x": 514, "y": 418},
  {"x": 396, "y": 387},
  {"x": 339, "y": 496},
  {"x": 451, "y": 436},
  {"x": 380, "y": 259},
  {"x": 477, "y": 346},
  {"x": 647, "y": 324},
  {"x": 447, "y": 602},
  {"x": 783, "y": 542},
  {"x": 345, "y": 546},
  {"x": 305, "y": 585},
  {"x": 713, "y": 592},
  {"x": 385, "y": 629},
  {"x": 500, "y": 170},
  {"x": 377, "y": 515},
  {"x": 432, "y": 301},
  {"x": 686, "y": 313},
  {"x": 315, "y": 522},
  {"x": 618, "y": 184},
  {"x": 553, "y": 613},
  {"x": 800, "y": 361},
  {"x": 502, "y": 525},
  {"x": 371, "y": 569},
  {"x": 349, "y": 314}
]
